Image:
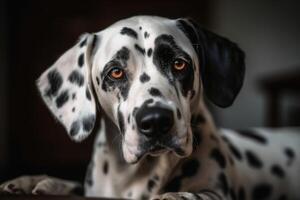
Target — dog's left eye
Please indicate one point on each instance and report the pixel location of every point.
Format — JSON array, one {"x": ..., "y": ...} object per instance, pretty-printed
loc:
[
  {"x": 116, "y": 73},
  {"x": 180, "y": 64}
]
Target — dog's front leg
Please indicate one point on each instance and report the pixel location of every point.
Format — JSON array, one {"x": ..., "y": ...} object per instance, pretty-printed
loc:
[
  {"x": 39, "y": 185},
  {"x": 203, "y": 195}
]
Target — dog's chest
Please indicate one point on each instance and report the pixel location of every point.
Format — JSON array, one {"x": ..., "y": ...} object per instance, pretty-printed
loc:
[
  {"x": 111, "y": 178},
  {"x": 152, "y": 175}
]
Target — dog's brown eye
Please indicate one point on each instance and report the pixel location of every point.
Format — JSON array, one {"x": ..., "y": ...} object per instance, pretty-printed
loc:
[
  {"x": 179, "y": 64},
  {"x": 116, "y": 73}
]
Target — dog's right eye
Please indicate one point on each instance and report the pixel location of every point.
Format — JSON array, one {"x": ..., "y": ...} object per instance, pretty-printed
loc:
[
  {"x": 180, "y": 65},
  {"x": 116, "y": 73}
]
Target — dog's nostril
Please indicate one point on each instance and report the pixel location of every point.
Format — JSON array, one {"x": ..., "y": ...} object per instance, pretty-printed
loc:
[
  {"x": 146, "y": 124},
  {"x": 153, "y": 121}
]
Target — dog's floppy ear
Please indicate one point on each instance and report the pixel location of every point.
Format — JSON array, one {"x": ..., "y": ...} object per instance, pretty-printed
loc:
[
  {"x": 66, "y": 88},
  {"x": 222, "y": 65}
]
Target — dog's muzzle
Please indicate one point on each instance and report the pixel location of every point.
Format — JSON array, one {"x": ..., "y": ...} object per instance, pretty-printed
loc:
[
  {"x": 154, "y": 122},
  {"x": 156, "y": 126}
]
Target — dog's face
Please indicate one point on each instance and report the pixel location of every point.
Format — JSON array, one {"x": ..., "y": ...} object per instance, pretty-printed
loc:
[
  {"x": 144, "y": 76},
  {"x": 147, "y": 74}
]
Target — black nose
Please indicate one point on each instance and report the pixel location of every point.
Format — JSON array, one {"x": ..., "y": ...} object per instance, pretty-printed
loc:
[{"x": 154, "y": 121}]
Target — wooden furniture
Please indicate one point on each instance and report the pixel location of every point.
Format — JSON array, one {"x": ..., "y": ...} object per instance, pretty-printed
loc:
[{"x": 275, "y": 88}]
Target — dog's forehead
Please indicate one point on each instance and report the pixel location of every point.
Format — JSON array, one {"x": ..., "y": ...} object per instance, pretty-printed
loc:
[
  {"x": 141, "y": 25},
  {"x": 138, "y": 34}
]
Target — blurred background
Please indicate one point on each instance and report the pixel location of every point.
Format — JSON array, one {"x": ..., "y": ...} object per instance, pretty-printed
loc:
[{"x": 34, "y": 33}]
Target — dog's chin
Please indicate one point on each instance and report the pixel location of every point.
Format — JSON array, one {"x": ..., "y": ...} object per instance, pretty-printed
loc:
[{"x": 180, "y": 148}]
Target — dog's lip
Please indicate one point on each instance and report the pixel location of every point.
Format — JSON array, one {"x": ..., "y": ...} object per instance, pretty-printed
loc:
[{"x": 172, "y": 145}]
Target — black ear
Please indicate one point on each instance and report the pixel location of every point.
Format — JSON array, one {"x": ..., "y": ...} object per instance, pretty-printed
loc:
[{"x": 222, "y": 65}]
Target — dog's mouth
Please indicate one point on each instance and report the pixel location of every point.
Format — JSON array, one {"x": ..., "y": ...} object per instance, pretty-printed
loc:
[
  {"x": 161, "y": 146},
  {"x": 179, "y": 145}
]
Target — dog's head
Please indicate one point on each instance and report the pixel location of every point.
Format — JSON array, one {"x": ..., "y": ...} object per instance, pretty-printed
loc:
[{"x": 147, "y": 73}]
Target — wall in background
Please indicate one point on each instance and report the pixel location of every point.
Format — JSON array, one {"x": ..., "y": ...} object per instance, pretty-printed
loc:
[
  {"x": 268, "y": 31},
  {"x": 3, "y": 89}
]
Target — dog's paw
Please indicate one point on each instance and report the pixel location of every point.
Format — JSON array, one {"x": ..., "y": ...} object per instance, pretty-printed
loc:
[
  {"x": 38, "y": 185},
  {"x": 55, "y": 186},
  {"x": 20, "y": 185},
  {"x": 175, "y": 196}
]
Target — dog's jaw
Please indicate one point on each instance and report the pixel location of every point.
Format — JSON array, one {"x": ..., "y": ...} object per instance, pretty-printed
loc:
[{"x": 181, "y": 148}]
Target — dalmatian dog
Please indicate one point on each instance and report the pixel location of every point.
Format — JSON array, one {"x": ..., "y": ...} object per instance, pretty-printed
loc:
[{"x": 139, "y": 85}]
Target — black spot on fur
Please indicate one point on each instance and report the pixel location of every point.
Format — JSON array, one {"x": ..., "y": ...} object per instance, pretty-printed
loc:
[
  {"x": 122, "y": 55},
  {"x": 261, "y": 191},
  {"x": 241, "y": 194},
  {"x": 140, "y": 28},
  {"x": 289, "y": 152},
  {"x": 253, "y": 135},
  {"x": 139, "y": 49},
  {"x": 121, "y": 121},
  {"x": 198, "y": 119},
  {"x": 88, "y": 123},
  {"x": 197, "y": 137},
  {"x": 149, "y": 52},
  {"x": 165, "y": 52},
  {"x": 130, "y": 32},
  {"x": 290, "y": 155},
  {"x": 218, "y": 156},
  {"x": 83, "y": 42},
  {"x": 174, "y": 185},
  {"x": 97, "y": 80},
  {"x": 55, "y": 82},
  {"x": 76, "y": 77},
  {"x": 128, "y": 119},
  {"x": 224, "y": 183},
  {"x": 149, "y": 101},
  {"x": 135, "y": 109},
  {"x": 94, "y": 43},
  {"x": 73, "y": 109},
  {"x": 235, "y": 151},
  {"x": 178, "y": 113},
  {"x": 155, "y": 92},
  {"x": 88, "y": 94},
  {"x": 144, "y": 78},
  {"x": 276, "y": 170},
  {"x": 253, "y": 160},
  {"x": 150, "y": 185},
  {"x": 146, "y": 34},
  {"x": 62, "y": 98},
  {"x": 75, "y": 126},
  {"x": 73, "y": 96},
  {"x": 81, "y": 60},
  {"x": 105, "y": 167},
  {"x": 190, "y": 168}
]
